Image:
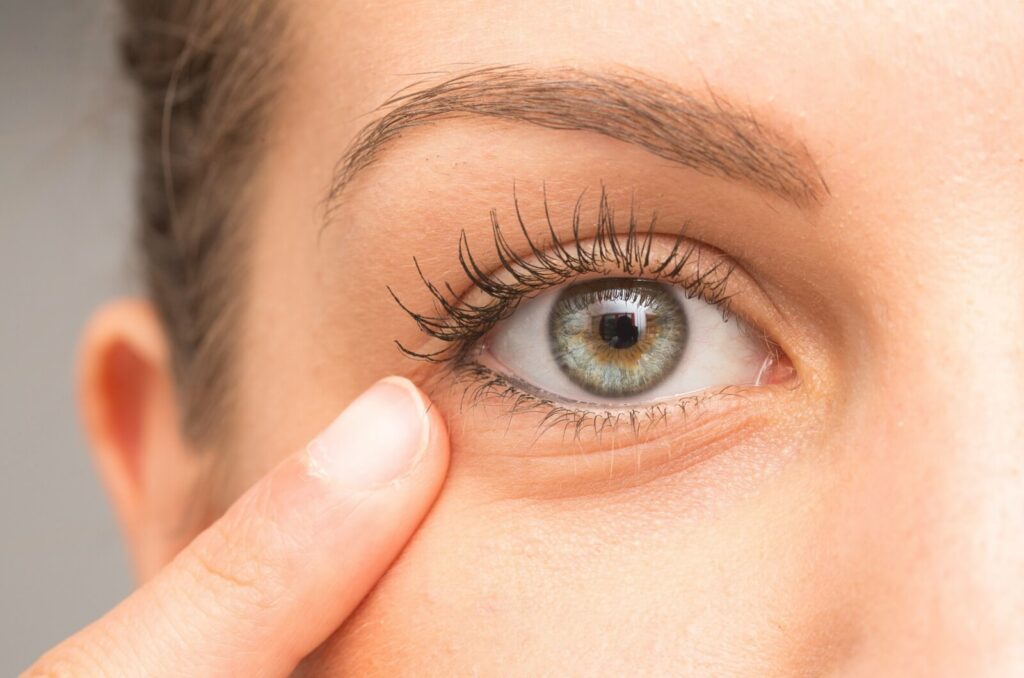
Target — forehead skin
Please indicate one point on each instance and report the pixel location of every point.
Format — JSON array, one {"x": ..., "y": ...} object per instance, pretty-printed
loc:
[{"x": 871, "y": 526}]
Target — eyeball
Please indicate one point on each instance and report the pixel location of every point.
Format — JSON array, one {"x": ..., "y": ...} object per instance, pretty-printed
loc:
[{"x": 622, "y": 341}]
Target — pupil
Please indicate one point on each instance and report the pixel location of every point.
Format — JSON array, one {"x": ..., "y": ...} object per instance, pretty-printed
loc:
[{"x": 619, "y": 330}]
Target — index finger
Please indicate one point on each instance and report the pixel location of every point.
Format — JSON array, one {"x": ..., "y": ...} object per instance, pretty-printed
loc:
[{"x": 282, "y": 569}]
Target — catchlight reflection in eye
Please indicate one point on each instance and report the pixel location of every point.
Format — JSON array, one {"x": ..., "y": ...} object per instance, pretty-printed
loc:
[{"x": 622, "y": 341}]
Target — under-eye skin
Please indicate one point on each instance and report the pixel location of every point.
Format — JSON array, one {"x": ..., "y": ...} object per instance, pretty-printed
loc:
[{"x": 613, "y": 324}]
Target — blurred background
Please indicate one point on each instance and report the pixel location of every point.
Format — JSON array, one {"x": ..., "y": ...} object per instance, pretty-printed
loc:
[{"x": 66, "y": 168}]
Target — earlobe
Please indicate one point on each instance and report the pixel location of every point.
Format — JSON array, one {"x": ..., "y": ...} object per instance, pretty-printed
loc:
[{"x": 130, "y": 413}]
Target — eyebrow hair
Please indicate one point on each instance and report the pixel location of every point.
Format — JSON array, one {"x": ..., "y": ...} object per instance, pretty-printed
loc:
[{"x": 713, "y": 137}]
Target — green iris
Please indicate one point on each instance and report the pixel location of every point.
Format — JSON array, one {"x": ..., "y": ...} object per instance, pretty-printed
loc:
[{"x": 617, "y": 337}]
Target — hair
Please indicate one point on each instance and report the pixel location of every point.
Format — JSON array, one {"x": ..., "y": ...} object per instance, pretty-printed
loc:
[{"x": 206, "y": 72}]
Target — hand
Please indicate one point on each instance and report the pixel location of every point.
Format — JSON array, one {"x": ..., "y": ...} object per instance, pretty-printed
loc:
[{"x": 282, "y": 569}]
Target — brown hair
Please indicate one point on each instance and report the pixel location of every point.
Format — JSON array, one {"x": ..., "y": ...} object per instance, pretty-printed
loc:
[{"x": 206, "y": 72}]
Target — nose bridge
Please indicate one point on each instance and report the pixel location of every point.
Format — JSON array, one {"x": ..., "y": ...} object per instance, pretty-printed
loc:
[{"x": 946, "y": 466}]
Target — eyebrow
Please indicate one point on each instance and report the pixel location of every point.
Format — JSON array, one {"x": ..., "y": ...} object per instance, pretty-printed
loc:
[{"x": 709, "y": 135}]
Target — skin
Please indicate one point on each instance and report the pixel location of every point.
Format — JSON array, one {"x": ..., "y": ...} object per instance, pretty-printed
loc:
[{"x": 859, "y": 518}]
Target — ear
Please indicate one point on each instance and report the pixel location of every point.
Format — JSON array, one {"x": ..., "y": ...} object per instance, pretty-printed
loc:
[{"x": 129, "y": 407}]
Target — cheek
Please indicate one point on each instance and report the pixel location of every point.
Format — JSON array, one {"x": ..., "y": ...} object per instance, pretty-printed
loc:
[{"x": 632, "y": 580}]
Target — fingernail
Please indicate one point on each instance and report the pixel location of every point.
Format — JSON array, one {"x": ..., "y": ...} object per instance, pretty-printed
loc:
[{"x": 377, "y": 439}]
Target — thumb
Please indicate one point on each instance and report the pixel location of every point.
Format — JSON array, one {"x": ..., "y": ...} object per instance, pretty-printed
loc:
[{"x": 282, "y": 569}]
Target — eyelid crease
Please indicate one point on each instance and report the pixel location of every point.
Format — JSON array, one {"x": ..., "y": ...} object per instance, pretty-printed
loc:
[{"x": 459, "y": 323}]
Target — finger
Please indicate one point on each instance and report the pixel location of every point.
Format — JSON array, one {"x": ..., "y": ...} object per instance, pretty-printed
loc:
[{"x": 284, "y": 567}]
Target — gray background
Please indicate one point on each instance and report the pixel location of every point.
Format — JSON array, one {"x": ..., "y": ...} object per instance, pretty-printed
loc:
[{"x": 66, "y": 169}]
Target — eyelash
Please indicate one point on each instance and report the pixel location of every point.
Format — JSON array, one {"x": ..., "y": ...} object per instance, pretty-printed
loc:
[{"x": 460, "y": 324}]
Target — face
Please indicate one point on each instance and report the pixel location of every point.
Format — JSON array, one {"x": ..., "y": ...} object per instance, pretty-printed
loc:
[{"x": 794, "y": 448}]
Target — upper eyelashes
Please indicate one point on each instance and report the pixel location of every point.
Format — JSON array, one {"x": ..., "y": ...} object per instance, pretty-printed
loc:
[{"x": 459, "y": 323}]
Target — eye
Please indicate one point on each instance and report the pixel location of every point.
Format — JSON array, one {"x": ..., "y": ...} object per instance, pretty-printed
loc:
[
  {"x": 622, "y": 326},
  {"x": 622, "y": 341}
]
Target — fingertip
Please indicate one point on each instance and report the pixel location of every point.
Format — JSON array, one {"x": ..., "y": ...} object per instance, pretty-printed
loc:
[{"x": 378, "y": 439}]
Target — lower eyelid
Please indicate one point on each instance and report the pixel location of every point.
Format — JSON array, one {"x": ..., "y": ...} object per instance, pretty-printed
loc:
[
  {"x": 518, "y": 457},
  {"x": 499, "y": 397},
  {"x": 528, "y": 446}
]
